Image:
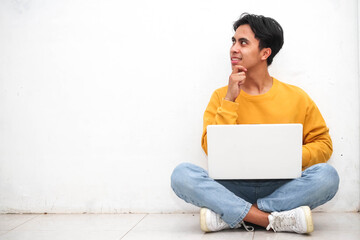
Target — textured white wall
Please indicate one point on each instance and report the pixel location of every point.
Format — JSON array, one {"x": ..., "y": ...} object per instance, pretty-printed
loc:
[
  {"x": 100, "y": 100},
  {"x": 358, "y": 26}
]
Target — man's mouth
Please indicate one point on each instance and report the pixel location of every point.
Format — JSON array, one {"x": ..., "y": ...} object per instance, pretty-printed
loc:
[{"x": 235, "y": 60}]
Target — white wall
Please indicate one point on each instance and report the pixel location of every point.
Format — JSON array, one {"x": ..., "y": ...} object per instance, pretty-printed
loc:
[
  {"x": 101, "y": 99},
  {"x": 358, "y": 26}
]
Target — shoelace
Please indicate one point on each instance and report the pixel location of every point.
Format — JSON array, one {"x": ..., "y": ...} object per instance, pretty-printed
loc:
[
  {"x": 271, "y": 225},
  {"x": 220, "y": 222},
  {"x": 280, "y": 222},
  {"x": 247, "y": 228}
]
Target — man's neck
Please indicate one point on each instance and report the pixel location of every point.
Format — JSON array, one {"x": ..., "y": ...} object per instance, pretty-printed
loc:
[{"x": 257, "y": 82}]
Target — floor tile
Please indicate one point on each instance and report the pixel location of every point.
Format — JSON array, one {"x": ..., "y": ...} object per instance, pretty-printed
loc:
[
  {"x": 80, "y": 222},
  {"x": 316, "y": 235},
  {"x": 235, "y": 234},
  {"x": 167, "y": 226},
  {"x": 268, "y": 235},
  {"x": 336, "y": 235},
  {"x": 336, "y": 221},
  {"x": 10, "y": 221},
  {"x": 327, "y": 226},
  {"x": 62, "y": 235}
]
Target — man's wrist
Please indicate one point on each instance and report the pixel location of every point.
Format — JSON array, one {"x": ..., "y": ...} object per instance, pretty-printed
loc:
[
  {"x": 228, "y": 99},
  {"x": 229, "y": 106}
]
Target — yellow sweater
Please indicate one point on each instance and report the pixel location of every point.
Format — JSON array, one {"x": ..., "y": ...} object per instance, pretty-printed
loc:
[{"x": 283, "y": 103}]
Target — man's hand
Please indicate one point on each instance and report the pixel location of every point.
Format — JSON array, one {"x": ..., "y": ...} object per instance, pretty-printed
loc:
[{"x": 236, "y": 79}]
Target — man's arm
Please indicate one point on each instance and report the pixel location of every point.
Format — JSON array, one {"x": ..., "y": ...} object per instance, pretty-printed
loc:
[
  {"x": 223, "y": 109},
  {"x": 218, "y": 111},
  {"x": 317, "y": 144}
]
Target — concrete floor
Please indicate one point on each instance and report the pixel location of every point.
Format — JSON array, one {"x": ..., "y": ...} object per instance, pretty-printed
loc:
[{"x": 158, "y": 226}]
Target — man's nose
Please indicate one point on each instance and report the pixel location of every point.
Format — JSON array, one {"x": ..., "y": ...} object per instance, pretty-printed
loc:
[{"x": 235, "y": 48}]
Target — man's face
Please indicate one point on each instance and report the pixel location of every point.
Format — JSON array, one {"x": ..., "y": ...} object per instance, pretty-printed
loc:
[{"x": 245, "y": 49}]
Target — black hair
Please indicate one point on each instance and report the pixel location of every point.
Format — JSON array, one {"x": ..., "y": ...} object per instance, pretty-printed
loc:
[{"x": 268, "y": 31}]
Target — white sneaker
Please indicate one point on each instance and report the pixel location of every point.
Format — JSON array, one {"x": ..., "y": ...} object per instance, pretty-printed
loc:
[
  {"x": 212, "y": 222},
  {"x": 297, "y": 220}
]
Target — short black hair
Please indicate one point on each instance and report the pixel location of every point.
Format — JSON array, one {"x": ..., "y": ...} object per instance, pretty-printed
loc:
[{"x": 268, "y": 31}]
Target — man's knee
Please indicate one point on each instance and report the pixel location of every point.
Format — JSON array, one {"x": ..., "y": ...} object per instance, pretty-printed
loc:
[
  {"x": 327, "y": 178},
  {"x": 182, "y": 175}
]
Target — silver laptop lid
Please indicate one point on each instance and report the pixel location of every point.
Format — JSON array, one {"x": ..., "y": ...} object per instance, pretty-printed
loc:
[{"x": 254, "y": 151}]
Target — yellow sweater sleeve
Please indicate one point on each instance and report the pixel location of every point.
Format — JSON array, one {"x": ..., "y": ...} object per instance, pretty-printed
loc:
[
  {"x": 317, "y": 144},
  {"x": 218, "y": 111}
]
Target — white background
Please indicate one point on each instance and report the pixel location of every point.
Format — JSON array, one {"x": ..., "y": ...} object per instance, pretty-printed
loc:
[{"x": 101, "y": 99}]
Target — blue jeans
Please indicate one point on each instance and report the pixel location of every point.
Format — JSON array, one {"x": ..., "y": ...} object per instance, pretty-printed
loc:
[{"x": 232, "y": 199}]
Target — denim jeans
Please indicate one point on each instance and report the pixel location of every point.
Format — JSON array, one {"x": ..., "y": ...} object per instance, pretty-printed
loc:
[{"x": 232, "y": 199}]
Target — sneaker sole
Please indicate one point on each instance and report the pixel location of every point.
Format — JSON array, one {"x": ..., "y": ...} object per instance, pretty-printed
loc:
[
  {"x": 203, "y": 220},
  {"x": 308, "y": 217}
]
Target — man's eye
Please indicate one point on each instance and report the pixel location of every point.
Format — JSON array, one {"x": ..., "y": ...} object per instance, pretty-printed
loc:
[{"x": 243, "y": 42}]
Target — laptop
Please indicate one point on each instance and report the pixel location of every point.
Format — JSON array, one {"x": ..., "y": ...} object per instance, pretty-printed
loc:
[{"x": 255, "y": 151}]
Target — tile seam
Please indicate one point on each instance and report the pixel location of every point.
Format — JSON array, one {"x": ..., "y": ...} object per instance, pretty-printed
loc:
[
  {"x": 134, "y": 226},
  {"x": 24, "y": 223}
]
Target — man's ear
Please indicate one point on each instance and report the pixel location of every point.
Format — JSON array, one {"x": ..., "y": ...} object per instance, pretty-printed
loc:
[{"x": 265, "y": 53}]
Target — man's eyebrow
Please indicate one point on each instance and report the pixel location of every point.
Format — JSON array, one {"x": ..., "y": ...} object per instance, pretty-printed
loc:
[
  {"x": 243, "y": 39},
  {"x": 240, "y": 39}
]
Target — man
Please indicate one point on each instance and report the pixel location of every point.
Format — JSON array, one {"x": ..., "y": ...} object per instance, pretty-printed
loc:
[{"x": 253, "y": 96}]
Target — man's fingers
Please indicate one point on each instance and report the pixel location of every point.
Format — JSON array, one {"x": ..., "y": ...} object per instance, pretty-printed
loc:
[
  {"x": 236, "y": 77},
  {"x": 241, "y": 74},
  {"x": 239, "y": 68}
]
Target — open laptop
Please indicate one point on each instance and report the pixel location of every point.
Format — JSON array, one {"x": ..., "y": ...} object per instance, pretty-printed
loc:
[{"x": 255, "y": 151}]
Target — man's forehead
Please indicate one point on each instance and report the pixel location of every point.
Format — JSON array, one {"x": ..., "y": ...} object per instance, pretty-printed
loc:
[{"x": 244, "y": 31}]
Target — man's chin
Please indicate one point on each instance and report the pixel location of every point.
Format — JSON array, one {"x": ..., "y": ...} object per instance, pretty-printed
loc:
[{"x": 233, "y": 66}]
